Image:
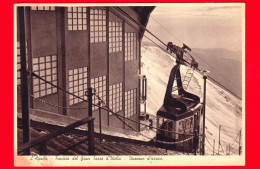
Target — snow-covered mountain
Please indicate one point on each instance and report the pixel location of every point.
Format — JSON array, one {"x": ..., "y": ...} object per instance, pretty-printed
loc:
[
  {"x": 221, "y": 107},
  {"x": 225, "y": 66}
]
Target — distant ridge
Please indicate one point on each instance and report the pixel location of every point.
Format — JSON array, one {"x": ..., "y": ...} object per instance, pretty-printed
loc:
[{"x": 225, "y": 66}]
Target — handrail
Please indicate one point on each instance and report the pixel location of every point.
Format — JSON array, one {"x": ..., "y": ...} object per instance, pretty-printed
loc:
[{"x": 42, "y": 139}]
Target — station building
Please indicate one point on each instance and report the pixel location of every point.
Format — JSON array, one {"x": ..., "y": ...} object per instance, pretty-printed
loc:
[{"x": 80, "y": 47}]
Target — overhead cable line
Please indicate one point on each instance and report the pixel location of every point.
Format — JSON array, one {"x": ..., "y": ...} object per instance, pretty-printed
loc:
[
  {"x": 230, "y": 132},
  {"x": 131, "y": 18},
  {"x": 192, "y": 51},
  {"x": 165, "y": 29},
  {"x": 223, "y": 87},
  {"x": 231, "y": 128},
  {"x": 235, "y": 139},
  {"x": 143, "y": 27},
  {"x": 208, "y": 141}
]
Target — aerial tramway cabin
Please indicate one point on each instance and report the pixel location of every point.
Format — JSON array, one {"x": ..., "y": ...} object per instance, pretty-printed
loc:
[
  {"x": 178, "y": 119},
  {"x": 80, "y": 47}
]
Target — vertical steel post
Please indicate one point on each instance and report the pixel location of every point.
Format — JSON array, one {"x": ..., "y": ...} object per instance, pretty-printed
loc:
[
  {"x": 213, "y": 147},
  {"x": 90, "y": 101},
  {"x": 192, "y": 145},
  {"x": 108, "y": 68},
  {"x": 24, "y": 84},
  {"x": 194, "y": 131},
  {"x": 201, "y": 149},
  {"x": 145, "y": 87},
  {"x": 91, "y": 143},
  {"x": 61, "y": 51},
  {"x": 145, "y": 93},
  {"x": 124, "y": 74},
  {"x": 239, "y": 148},
  {"x": 196, "y": 142},
  {"x": 28, "y": 51},
  {"x": 219, "y": 138},
  {"x": 100, "y": 130},
  {"x": 204, "y": 111},
  {"x": 229, "y": 149}
]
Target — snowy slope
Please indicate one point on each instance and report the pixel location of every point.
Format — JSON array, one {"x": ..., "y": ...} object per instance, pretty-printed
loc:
[{"x": 221, "y": 107}]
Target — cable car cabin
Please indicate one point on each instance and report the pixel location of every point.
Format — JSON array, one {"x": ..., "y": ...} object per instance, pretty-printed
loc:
[{"x": 178, "y": 118}]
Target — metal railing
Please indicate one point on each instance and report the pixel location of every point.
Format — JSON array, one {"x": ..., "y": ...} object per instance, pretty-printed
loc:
[{"x": 41, "y": 141}]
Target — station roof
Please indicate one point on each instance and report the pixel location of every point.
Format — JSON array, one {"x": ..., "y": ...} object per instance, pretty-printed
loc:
[{"x": 144, "y": 13}]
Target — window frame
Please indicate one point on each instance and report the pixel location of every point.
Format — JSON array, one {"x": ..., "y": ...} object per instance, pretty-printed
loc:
[
  {"x": 130, "y": 46},
  {"x": 98, "y": 25},
  {"x": 43, "y": 8},
  {"x": 75, "y": 82},
  {"x": 116, "y": 97},
  {"x": 130, "y": 102},
  {"x": 115, "y": 36},
  {"x": 41, "y": 68},
  {"x": 98, "y": 85},
  {"x": 77, "y": 18}
]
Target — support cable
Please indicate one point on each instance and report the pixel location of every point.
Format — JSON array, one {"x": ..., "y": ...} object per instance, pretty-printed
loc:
[
  {"x": 54, "y": 105},
  {"x": 231, "y": 128},
  {"x": 165, "y": 29},
  {"x": 37, "y": 76},
  {"x": 229, "y": 131},
  {"x": 193, "y": 51},
  {"x": 125, "y": 14},
  {"x": 235, "y": 139},
  {"x": 208, "y": 141},
  {"x": 208, "y": 148},
  {"x": 222, "y": 148}
]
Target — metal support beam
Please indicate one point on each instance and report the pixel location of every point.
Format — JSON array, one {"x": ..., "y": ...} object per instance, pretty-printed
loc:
[
  {"x": 24, "y": 84},
  {"x": 91, "y": 144},
  {"x": 28, "y": 51},
  {"x": 100, "y": 129},
  {"x": 138, "y": 54},
  {"x": 196, "y": 142},
  {"x": 219, "y": 138},
  {"x": 213, "y": 147},
  {"x": 89, "y": 94},
  {"x": 124, "y": 74},
  {"x": 60, "y": 29},
  {"x": 204, "y": 111},
  {"x": 107, "y": 52},
  {"x": 239, "y": 148}
]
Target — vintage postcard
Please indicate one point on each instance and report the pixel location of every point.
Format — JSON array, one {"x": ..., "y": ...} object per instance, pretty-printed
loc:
[{"x": 129, "y": 84}]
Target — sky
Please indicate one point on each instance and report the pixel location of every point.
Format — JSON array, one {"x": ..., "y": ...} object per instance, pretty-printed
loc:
[{"x": 199, "y": 25}]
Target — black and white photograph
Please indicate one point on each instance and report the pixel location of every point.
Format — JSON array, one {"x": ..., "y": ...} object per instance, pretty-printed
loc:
[{"x": 129, "y": 84}]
